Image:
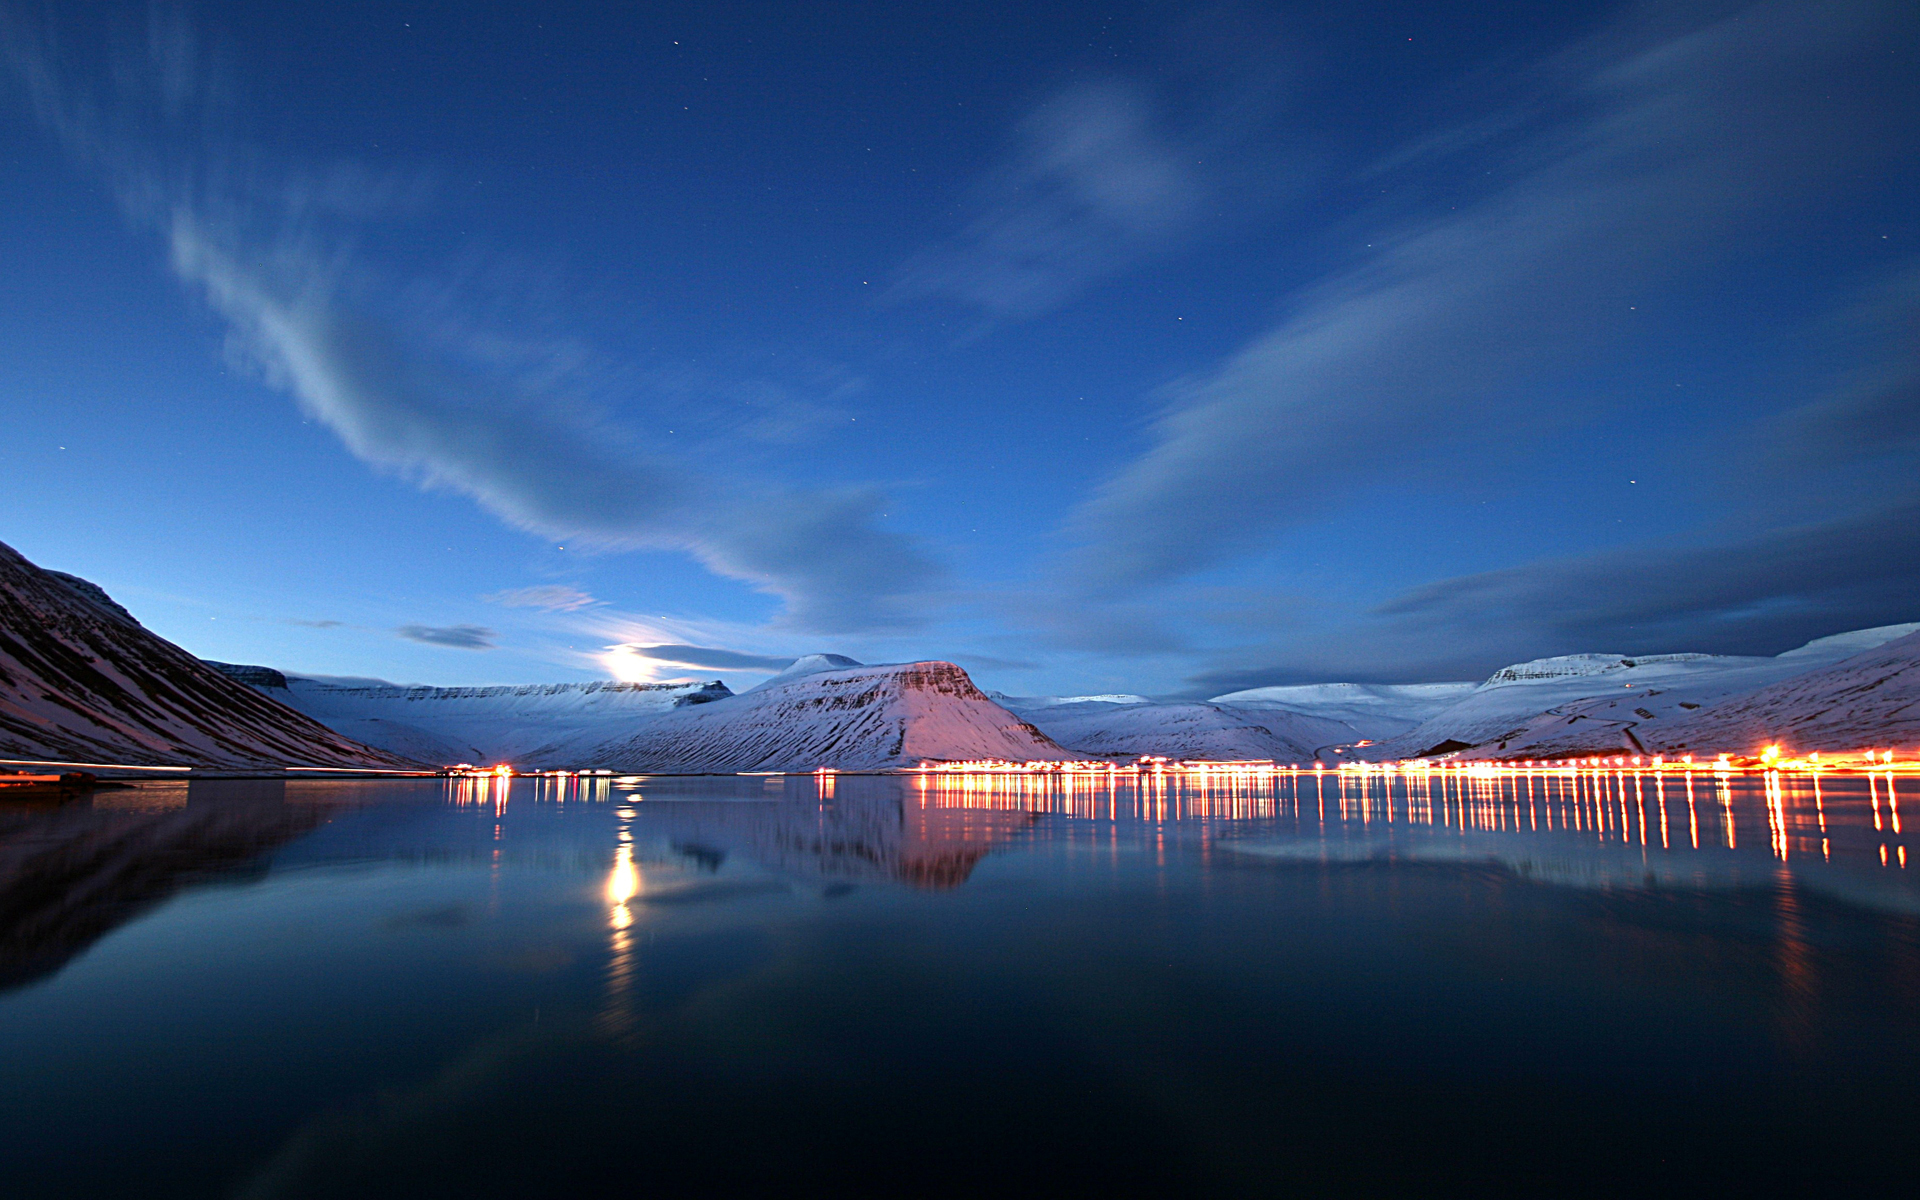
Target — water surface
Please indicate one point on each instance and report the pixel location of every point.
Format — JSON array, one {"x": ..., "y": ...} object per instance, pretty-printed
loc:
[{"x": 946, "y": 986}]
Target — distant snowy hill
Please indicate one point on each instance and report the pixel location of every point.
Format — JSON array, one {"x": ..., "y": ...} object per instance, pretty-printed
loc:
[
  {"x": 852, "y": 718},
  {"x": 82, "y": 681},
  {"x": 1369, "y": 710},
  {"x": 1037, "y": 703},
  {"x": 482, "y": 725},
  {"x": 810, "y": 664},
  {"x": 1131, "y": 726},
  {"x": 1606, "y": 703}
]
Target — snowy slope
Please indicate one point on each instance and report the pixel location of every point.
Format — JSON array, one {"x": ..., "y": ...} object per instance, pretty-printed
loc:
[
  {"x": 810, "y": 664},
  {"x": 1132, "y": 728},
  {"x": 1869, "y": 700},
  {"x": 475, "y": 724},
  {"x": 1606, "y": 704},
  {"x": 82, "y": 681},
  {"x": 1368, "y": 710},
  {"x": 851, "y": 719}
]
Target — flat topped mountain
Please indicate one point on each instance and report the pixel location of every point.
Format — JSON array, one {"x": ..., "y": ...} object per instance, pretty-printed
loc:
[
  {"x": 851, "y": 719},
  {"x": 1576, "y": 665},
  {"x": 82, "y": 681}
]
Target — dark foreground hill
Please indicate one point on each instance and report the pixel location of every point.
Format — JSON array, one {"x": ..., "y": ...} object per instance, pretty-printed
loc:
[{"x": 82, "y": 681}]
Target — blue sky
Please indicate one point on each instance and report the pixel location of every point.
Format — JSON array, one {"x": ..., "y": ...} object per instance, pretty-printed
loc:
[{"x": 1150, "y": 348}]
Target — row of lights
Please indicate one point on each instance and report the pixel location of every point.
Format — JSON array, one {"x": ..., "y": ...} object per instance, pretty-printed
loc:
[{"x": 1769, "y": 759}]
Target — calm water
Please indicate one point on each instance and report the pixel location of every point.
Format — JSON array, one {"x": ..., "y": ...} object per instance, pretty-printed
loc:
[{"x": 744, "y": 986}]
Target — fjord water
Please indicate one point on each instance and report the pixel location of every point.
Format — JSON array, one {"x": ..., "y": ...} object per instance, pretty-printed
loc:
[{"x": 956, "y": 985}]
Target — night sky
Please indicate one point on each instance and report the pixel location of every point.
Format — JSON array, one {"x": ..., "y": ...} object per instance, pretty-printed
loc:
[{"x": 1153, "y": 348}]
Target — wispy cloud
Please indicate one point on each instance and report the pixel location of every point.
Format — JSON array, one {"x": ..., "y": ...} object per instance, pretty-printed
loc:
[
  {"x": 1647, "y": 153},
  {"x": 643, "y": 648},
  {"x": 548, "y": 598},
  {"x": 1758, "y": 594},
  {"x": 1094, "y": 186},
  {"x": 1873, "y": 414},
  {"x": 460, "y": 637},
  {"x": 1106, "y": 173},
  {"x": 710, "y": 658},
  {"x": 440, "y": 400}
]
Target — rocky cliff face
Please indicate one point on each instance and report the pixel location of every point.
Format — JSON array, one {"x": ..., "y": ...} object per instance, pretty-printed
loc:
[{"x": 82, "y": 681}]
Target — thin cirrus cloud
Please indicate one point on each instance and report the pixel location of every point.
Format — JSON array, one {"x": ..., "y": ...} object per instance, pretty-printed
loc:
[
  {"x": 1757, "y": 595},
  {"x": 1107, "y": 173},
  {"x": 1093, "y": 186},
  {"x": 546, "y": 598},
  {"x": 1873, "y": 414},
  {"x": 459, "y": 637},
  {"x": 436, "y": 401},
  {"x": 1649, "y": 153},
  {"x": 710, "y": 658}
]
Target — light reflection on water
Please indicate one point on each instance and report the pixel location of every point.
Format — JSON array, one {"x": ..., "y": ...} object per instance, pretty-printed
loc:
[
  {"x": 934, "y": 983},
  {"x": 1618, "y": 825}
]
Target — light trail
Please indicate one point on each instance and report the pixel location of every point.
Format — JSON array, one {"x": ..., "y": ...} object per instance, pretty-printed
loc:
[{"x": 47, "y": 762}]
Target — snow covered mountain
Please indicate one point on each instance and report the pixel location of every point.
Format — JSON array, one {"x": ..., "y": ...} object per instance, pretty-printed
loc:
[
  {"x": 849, "y": 718},
  {"x": 1131, "y": 726},
  {"x": 811, "y": 664},
  {"x": 481, "y": 725},
  {"x": 1846, "y": 691},
  {"x": 1606, "y": 704},
  {"x": 1871, "y": 699},
  {"x": 82, "y": 681}
]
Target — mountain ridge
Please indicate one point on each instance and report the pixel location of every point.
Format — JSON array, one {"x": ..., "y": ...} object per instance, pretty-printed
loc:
[{"x": 82, "y": 681}]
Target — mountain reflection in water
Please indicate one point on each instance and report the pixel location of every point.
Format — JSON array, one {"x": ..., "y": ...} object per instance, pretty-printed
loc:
[
  {"x": 947, "y": 984},
  {"x": 70, "y": 873}
]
